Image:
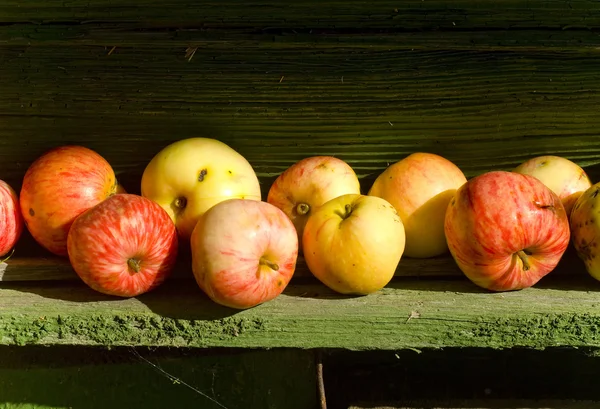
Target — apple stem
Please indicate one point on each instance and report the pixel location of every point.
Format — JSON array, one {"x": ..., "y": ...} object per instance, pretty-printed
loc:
[
  {"x": 134, "y": 265},
  {"x": 523, "y": 256},
  {"x": 347, "y": 209},
  {"x": 302, "y": 208},
  {"x": 270, "y": 264}
]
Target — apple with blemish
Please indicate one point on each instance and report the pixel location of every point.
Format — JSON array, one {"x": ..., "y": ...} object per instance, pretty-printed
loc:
[
  {"x": 353, "y": 243},
  {"x": 505, "y": 230},
  {"x": 60, "y": 185},
  {"x": 188, "y": 177},
  {"x": 125, "y": 246},
  {"x": 308, "y": 184},
  {"x": 585, "y": 229},
  {"x": 11, "y": 220},
  {"x": 244, "y": 252},
  {"x": 563, "y": 176},
  {"x": 420, "y": 187}
]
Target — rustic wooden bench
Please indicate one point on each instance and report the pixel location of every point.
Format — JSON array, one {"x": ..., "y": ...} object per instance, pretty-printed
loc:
[{"x": 487, "y": 84}]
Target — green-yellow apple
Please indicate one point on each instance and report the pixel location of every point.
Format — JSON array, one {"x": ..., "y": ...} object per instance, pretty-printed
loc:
[
  {"x": 585, "y": 229},
  {"x": 506, "y": 230},
  {"x": 188, "y": 177},
  {"x": 244, "y": 252},
  {"x": 564, "y": 177},
  {"x": 308, "y": 184},
  {"x": 353, "y": 243},
  {"x": 420, "y": 187}
]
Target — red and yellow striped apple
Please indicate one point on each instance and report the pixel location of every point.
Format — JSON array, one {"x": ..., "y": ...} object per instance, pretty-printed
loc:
[
  {"x": 353, "y": 243},
  {"x": 420, "y": 187},
  {"x": 564, "y": 177},
  {"x": 244, "y": 252},
  {"x": 505, "y": 230},
  {"x": 125, "y": 246},
  {"x": 308, "y": 184},
  {"x": 60, "y": 185},
  {"x": 188, "y": 177},
  {"x": 11, "y": 220}
]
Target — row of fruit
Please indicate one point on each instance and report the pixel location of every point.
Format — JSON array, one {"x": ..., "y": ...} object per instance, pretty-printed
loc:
[{"x": 505, "y": 229}]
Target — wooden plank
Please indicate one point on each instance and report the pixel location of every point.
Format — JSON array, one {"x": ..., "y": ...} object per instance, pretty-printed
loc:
[
  {"x": 445, "y": 313},
  {"x": 127, "y": 35},
  {"x": 490, "y": 404},
  {"x": 483, "y": 110},
  {"x": 121, "y": 378},
  {"x": 408, "y": 14}
]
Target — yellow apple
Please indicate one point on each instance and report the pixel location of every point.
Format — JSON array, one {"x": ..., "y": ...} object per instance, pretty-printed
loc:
[
  {"x": 188, "y": 177},
  {"x": 564, "y": 177},
  {"x": 420, "y": 187},
  {"x": 309, "y": 183},
  {"x": 353, "y": 243}
]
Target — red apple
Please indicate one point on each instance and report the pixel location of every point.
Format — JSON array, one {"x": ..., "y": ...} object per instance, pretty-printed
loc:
[
  {"x": 244, "y": 252},
  {"x": 420, "y": 187},
  {"x": 506, "y": 230},
  {"x": 59, "y": 186},
  {"x": 310, "y": 183},
  {"x": 124, "y": 246},
  {"x": 11, "y": 221}
]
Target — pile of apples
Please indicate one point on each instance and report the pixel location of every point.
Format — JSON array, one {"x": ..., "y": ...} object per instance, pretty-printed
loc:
[{"x": 504, "y": 229}]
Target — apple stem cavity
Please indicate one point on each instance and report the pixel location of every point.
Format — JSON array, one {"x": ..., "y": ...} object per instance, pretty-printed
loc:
[
  {"x": 180, "y": 203},
  {"x": 348, "y": 211},
  {"x": 270, "y": 264},
  {"x": 302, "y": 208},
  {"x": 134, "y": 266},
  {"x": 523, "y": 255}
]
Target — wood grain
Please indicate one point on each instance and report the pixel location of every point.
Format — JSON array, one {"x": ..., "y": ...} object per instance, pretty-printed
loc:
[{"x": 445, "y": 313}]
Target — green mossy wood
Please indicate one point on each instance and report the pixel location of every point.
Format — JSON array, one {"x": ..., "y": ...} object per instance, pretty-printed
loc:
[{"x": 487, "y": 84}]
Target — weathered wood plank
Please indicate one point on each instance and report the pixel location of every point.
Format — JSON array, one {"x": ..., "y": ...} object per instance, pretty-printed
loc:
[
  {"x": 127, "y": 35},
  {"x": 446, "y": 313},
  {"x": 121, "y": 378},
  {"x": 483, "y": 110},
  {"x": 407, "y": 14},
  {"x": 488, "y": 404}
]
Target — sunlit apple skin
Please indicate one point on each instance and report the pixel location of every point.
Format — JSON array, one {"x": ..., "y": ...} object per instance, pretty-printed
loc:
[
  {"x": 244, "y": 252},
  {"x": 585, "y": 229},
  {"x": 564, "y": 177},
  {"x": 308, "y": 184},
  {"x": 11, "y": 220},
  {"x": 125, "y": 246},
  {"x": 188, "y": 177},
  {"x": 60, "y": 185},
  {"x": 353, "y": 243},
  {"x": 420, "y": 187},
  {"x": 495, "y": 220}
]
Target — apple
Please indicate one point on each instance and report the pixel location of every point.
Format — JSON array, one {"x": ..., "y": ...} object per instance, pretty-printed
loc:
[
  {"x": 505, "y": 230},
  {"x": 564, "y": 177},
  {"x": 420, "y": 187},
  {"x": 124, "y": 246},
  {"x": 585, "y": 229},
  {"x": 188, "y": 177},
  {"x": 353, "y": 243},
  {"x": 244, "y": 252},
  {"x": 308, "y": 184},
  {"x": 60, "y": 185},
  {"x": 11, "y": 220}
]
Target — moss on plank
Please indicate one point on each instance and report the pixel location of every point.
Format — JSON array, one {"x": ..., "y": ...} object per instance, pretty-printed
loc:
[{"x": 126, "y": 329}]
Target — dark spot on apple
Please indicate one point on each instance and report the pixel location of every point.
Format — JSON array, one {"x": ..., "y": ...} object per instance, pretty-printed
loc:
[
  {"x": 31, "y": 212},
  {"x": 543, "y": 163},
  {"x": 596, "y": 192},
  {"x": 279, "y": 283},
  {"x": 544, "y": 206},
  {"x": 452, "y": 201},
  {"x": 230, "y": 172},
  {"x": 203, "y": 173}
]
